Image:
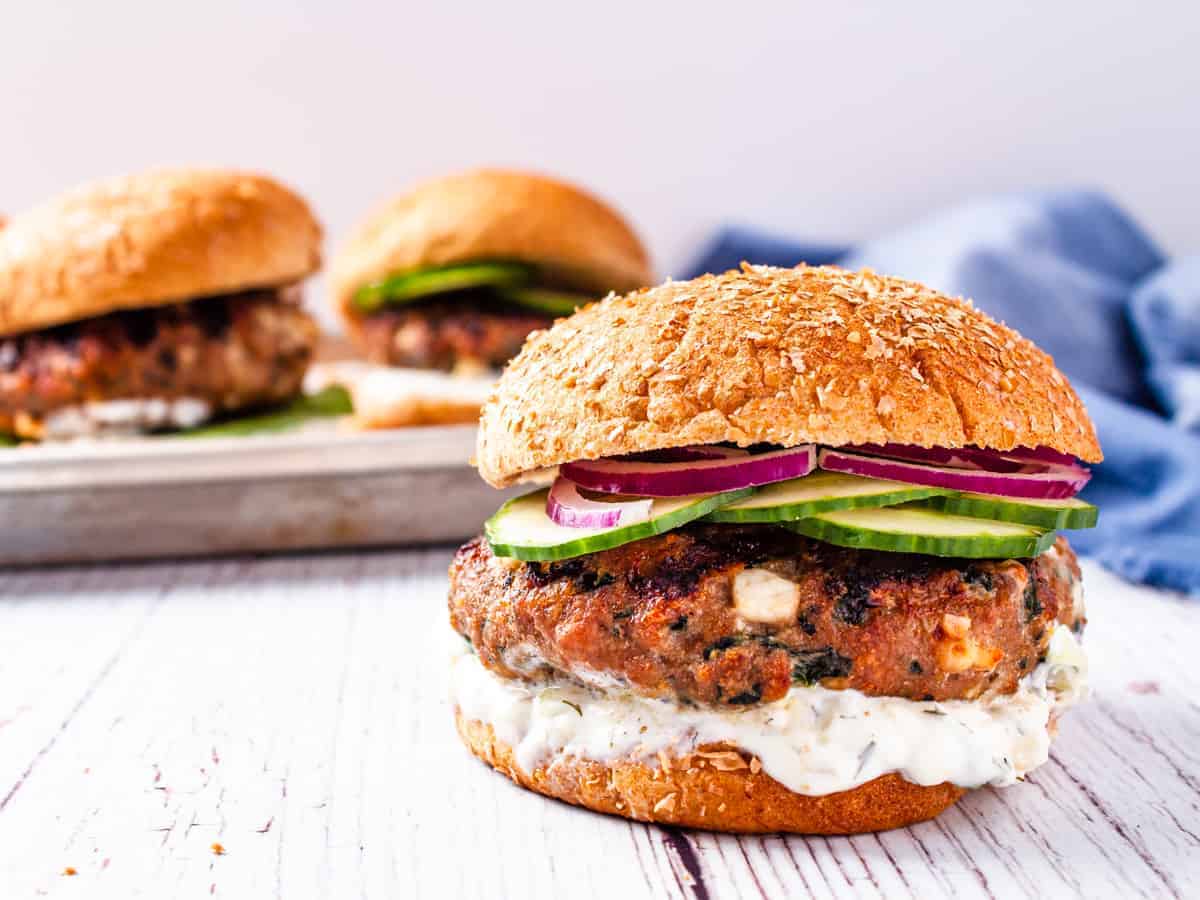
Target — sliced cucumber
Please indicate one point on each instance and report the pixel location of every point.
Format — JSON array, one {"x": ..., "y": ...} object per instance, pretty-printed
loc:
[
  {"x": 522, "y": 529},
  {"x": 914, "y": 529},
  {"x": 819, "y": 492},
  {"x": 1069, "y": 513},
  {"x": 556, "y": 303},
  {"x": 416, "y": 285}
]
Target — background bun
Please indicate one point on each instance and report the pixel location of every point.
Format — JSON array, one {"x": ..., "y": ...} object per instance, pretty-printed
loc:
[
  {"x": 495, "y": 214},
  {"x": 694, "y": 793},
  {"x": 783, "y": 356},
  {"x": 149, "y": 239}
]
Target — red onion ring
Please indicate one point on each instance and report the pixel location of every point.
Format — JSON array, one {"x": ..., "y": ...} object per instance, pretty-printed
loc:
[
  {"x": 1043, "y": 455},
  {"x": 566, "y": 506},
  {"x": 679, "y": 479},
  {"x": 1053, "y": 482},
  {"x": 970, "y": 457},
  {"x": 955, "y": 458}
]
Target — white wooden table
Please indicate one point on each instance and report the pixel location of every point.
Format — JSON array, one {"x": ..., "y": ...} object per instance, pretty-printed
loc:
[{"x": 291, "y": 713}]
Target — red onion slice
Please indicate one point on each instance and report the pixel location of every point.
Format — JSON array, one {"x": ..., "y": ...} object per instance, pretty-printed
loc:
[
  {"x": 1043, "y": 455},
  {"x": 679, "y": 479},
  {"x": 1029, "y": 460},
  {"x": 566, "y": 506},
  {"x": 956, "y": 458},
  {"x": 1052, "y": 482}
]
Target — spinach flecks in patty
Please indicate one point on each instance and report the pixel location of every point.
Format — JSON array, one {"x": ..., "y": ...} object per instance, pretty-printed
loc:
[
  {"x": 746, "y": 697},
  {"x": 811, "y": 666},
  {"x": 1033, "y": 604},
  {"x": 854, "y": 604}
]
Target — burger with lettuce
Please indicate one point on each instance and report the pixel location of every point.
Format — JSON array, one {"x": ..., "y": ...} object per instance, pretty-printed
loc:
[{"x": 161, "y": 301}]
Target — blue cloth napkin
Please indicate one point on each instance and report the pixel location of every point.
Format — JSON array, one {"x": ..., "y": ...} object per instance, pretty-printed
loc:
[{"x": 1072, "y": 272}]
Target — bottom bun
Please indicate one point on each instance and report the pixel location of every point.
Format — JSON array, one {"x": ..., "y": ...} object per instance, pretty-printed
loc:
[{"x": 718, "y": 789}]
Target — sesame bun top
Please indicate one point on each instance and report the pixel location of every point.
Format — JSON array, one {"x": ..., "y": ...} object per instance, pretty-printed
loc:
[
  {"x": 780, "y": 356},
  {"x": 150, "y": 239},
  {"x": 491, "y": 214}
]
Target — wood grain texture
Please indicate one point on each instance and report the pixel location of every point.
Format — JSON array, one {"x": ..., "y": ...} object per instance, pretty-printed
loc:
[{"x": 292, "y": 711}]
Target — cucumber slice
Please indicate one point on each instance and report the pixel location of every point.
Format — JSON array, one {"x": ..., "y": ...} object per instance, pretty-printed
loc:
[
  {"x": 799, "y": 498},
  {"x": 416, "y": 285},
  {"x": 556, "y": 303},
  {"x": 913, "y": 529},
  {"x": 1050, "y": 514},
  {"x": 522, "y": 529}
]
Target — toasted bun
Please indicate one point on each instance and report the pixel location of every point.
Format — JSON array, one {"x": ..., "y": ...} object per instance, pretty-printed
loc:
[
  {"x": 780, "y": 356},
  {"x": 494, "y": 214},
  {"x": 694, "y": 793},
  {"x": 151, "y": 239}
]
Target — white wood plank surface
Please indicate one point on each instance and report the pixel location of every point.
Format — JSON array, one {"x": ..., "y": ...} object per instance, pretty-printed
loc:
[{"x": 292, "y": 712}]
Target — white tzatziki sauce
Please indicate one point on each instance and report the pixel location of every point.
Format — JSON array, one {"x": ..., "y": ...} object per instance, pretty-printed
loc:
[
  {"x": 124, "y": 417},
  {"x": 813, "y": 741}
]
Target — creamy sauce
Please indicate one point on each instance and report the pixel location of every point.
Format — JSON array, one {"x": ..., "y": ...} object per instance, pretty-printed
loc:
[
  {"x": 124, "y": 417},
  {"x": 813, "y": 741}
]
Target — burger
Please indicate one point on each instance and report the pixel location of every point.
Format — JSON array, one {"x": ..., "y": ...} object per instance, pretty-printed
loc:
[
  {"x": 797, "y": 567},
  {"x": 153, "y": 301},
  {"x": 455, "y": 274}
]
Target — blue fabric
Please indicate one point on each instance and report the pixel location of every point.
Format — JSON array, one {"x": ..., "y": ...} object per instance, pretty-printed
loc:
[{"x": 1072, "y": 272}]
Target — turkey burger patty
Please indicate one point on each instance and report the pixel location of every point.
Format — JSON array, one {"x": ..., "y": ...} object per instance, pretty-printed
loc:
[
  {"x": 223, "y": 353},
  {"x": 734, "y": 615},
  {"x": 445, "y": 333}
]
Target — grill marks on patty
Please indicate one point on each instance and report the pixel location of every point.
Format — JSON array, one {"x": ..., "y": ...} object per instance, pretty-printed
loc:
[
  {"x": 234, "y": 351},
  {"x": 463, "y": 328},
  {"x": 659, "y": 615}
]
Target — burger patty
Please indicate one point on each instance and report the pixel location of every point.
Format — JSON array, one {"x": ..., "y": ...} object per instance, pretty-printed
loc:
[
  {"x": 661, "y": 615},
  {"x": 444, "y": 333},
  {"x": 232, "y": 351}
]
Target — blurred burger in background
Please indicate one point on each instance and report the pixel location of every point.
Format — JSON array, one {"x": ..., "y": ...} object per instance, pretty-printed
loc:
[
  {"x": 455, "y": 274},
  {"x": 154, "y": 301},
  {"x": 452, "y": 276}
]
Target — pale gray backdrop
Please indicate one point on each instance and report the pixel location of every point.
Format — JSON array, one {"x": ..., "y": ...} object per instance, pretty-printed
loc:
[{"x": 820, "y": 121}]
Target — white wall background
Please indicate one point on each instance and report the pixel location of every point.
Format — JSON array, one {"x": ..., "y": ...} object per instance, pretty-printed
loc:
[{"x": 822, "y": 122}]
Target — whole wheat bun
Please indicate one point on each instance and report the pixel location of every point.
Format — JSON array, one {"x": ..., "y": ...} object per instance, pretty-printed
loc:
[
  {"x": 780, "y": 356},
  {"x": 717, "y": 789},
  {"x": 491, "y": 214},
  {"x": 150, "y": 239}
]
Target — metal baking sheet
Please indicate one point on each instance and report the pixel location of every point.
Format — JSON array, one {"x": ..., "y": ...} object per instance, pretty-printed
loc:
[{"x": 176, "y": 497}]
